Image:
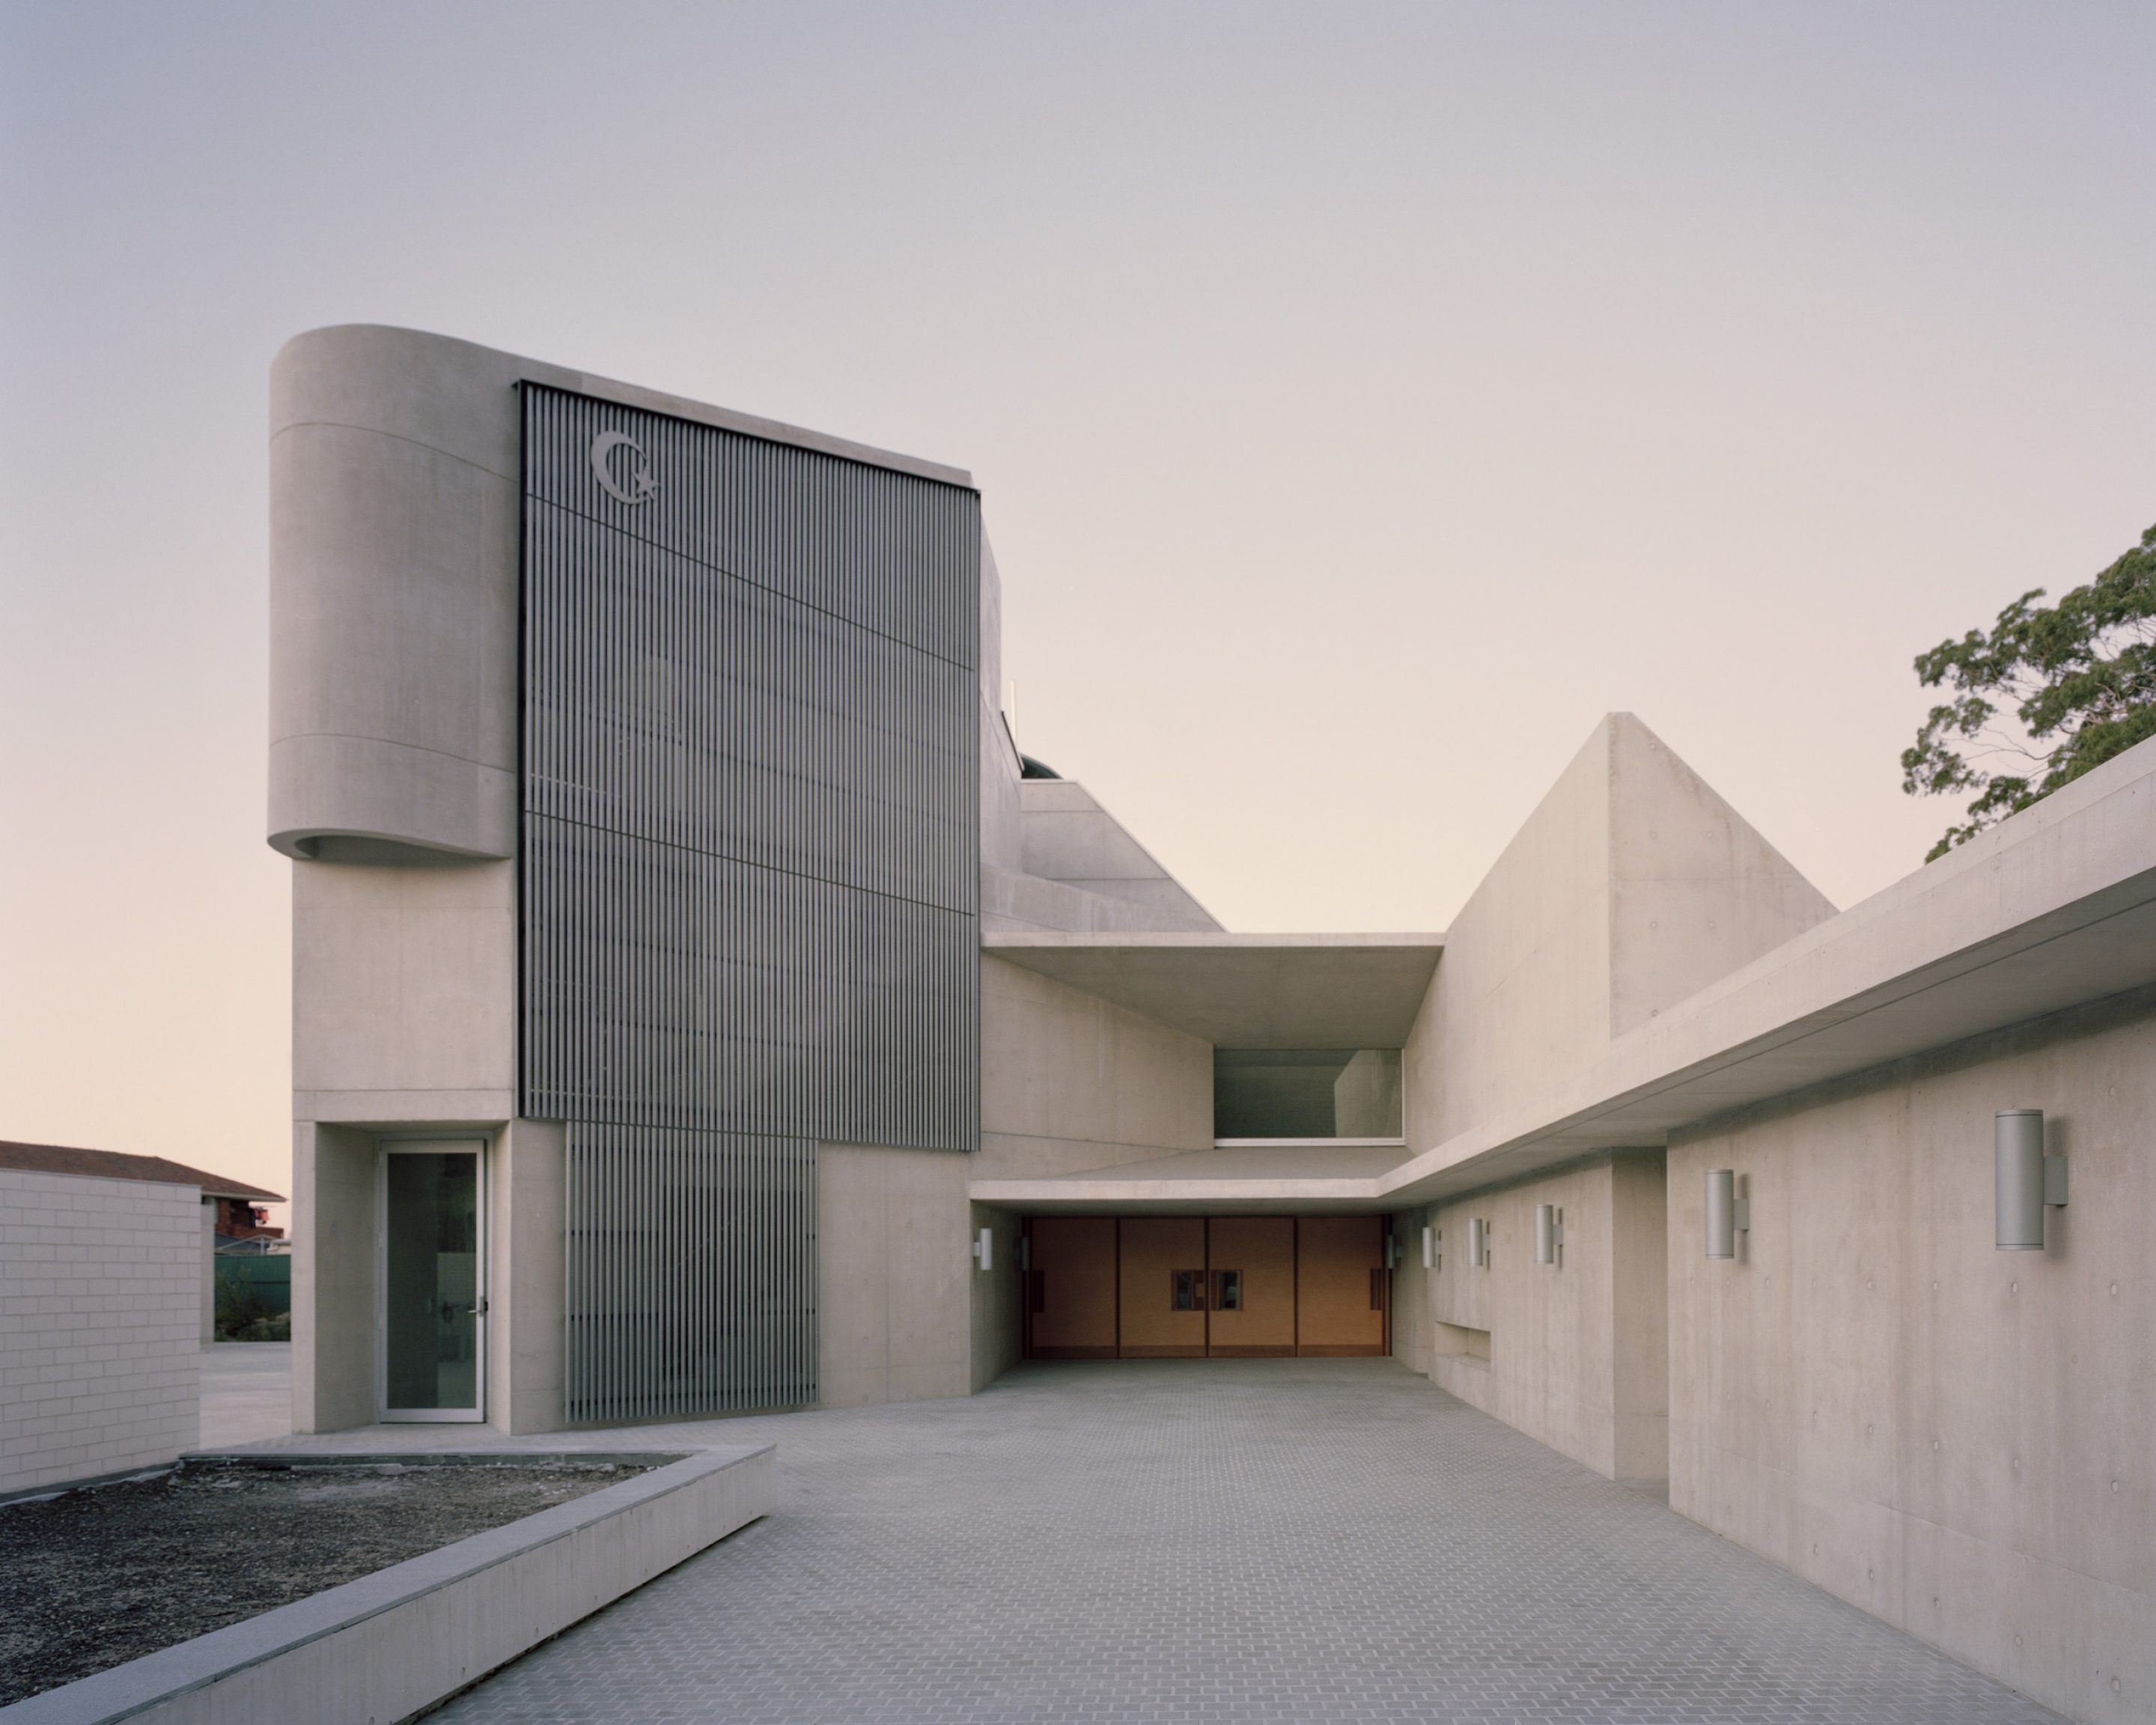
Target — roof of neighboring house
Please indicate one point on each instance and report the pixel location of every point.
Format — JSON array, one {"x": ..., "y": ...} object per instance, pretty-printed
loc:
[{"x": 114, "y": 1165}]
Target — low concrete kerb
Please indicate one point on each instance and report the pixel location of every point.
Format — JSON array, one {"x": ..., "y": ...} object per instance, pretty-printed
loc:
[{"x": 393, "y": 1644}]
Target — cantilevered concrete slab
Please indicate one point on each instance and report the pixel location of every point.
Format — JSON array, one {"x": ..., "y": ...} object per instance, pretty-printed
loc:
[
  {"x": 1286, "y": 1180},
  {"x": 2049, "y": 911},
  {"x": 1247, "y": 990}
]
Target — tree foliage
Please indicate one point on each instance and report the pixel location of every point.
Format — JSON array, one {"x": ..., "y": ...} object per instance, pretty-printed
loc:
[{"x": 2078, "y": 678}]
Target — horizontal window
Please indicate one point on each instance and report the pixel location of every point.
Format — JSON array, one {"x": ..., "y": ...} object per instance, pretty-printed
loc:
[{"x": 1305, "y": 1093}]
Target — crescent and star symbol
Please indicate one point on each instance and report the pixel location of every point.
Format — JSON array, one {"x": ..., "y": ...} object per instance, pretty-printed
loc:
[{"x": 642, "y": 486}]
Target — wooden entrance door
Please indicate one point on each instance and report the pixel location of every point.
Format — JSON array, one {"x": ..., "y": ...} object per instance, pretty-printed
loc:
[
  {"x": 1251, "y": 1262},
  {"x": 1178, "y": 1287},
  {"x": 1070, "y": 1289},
  {"x": 1163, "y": 1288},
  {"x": 1343, "y": 1292}
]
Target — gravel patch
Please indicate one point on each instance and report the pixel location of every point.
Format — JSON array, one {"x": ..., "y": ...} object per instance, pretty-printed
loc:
[{"x": 92, "y": 1579}]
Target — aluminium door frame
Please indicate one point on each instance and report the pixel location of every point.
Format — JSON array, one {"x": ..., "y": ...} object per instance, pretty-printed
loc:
[{"x": 387, "y": 1145}]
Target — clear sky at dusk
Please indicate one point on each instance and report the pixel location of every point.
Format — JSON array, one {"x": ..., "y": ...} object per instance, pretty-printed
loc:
[{"x": 1365, "y": 399}]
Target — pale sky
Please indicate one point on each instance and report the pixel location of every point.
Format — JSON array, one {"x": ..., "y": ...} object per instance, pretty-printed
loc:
[{"x": 1365, "y": 399}]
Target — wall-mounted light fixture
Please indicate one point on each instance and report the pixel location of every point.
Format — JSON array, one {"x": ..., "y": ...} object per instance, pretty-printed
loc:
[
  {"x": 1430, "y": 1238},
  {"x": 1392, "y": 1251},
  {"x": 1478, "y": 1243},
  {"x": 1728, "y": 1214},
  {"x": 2028, "y": 1178},
  {"x": 1549, "y": 1232},
  {"x": 984, "y": 1249},
  {"x": 1025, "y": 1252}
]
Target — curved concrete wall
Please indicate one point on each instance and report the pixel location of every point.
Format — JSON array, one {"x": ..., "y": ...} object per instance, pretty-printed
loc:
[
  {"x": 393, "y": 639},
  {"x": 394, "y": 487}
]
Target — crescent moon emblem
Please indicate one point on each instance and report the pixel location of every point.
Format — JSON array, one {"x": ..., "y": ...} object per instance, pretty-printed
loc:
[{"x": 641, "y": 485}]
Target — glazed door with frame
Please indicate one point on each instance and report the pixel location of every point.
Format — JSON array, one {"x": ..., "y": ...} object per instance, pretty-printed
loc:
[{"x": 430, "y": 1274}]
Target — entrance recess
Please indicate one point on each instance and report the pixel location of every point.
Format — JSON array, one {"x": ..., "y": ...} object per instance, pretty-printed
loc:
[
  {"x": 1180, "y": 1287},
  {"x": 430, "y": 1269}
]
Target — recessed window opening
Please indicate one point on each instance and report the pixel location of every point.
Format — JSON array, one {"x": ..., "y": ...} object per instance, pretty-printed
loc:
[
  {"x": 1459, "y": 1342},
  {"x": 1305, "y": 1093}
]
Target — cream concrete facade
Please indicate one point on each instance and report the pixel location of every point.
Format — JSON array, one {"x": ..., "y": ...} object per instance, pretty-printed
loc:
[
  {"x": 1070, "y": 1080},
  {"x": 1642, "y": 989},
  {"x": 1632, "y": 886},
  {"x": 895, "y": 1302},
  {"x": 1569, "y": 1352},
  {"x": 1956, "y": 1439}
]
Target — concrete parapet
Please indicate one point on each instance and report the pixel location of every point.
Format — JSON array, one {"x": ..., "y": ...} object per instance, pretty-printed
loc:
[{"x": 394, "y": 1643}]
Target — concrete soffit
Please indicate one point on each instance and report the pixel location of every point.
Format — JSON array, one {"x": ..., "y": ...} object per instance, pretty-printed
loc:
[{"x": 1246, "y": 990}]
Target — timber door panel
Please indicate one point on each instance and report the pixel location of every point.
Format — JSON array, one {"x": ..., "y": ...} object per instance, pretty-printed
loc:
[
  {"x": 1070, "y": 1290},
  {"x": 1163, "y": 1288},
  {"x": 1258, "y": 1253},
  {"x": 1342, "y": 1292}
]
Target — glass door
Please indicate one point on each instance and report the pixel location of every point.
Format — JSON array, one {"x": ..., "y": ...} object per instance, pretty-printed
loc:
[{"x": 431, "y": 1271}]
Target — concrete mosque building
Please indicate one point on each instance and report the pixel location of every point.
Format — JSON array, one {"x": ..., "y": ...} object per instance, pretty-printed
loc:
[{"x": 702, "y": 1006}]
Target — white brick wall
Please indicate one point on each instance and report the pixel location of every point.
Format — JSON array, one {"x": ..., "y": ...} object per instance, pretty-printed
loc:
[{"x": 100, "y": 1296}]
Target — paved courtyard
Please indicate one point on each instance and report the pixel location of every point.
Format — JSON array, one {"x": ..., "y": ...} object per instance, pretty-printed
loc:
[{"x": 1210, "y": 1541}]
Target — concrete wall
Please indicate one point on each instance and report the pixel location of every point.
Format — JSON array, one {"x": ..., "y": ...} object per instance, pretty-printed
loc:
[
  {"x": 1631, "y": 886},
  {"x": 1013, "y": 902},
  {"x": 333, "y": 1276},
  {"x": 527, "y": 1223},
  {"x": 1956, "y": 1439},
  {"x": 1069, "y": 1081},
  {"x": 1640, "y": 1314},
  {"x": 1003, "y": 834},
  {"x": 395, "y": 499},
  {"x": 1069, "y": 838},
  {"x": 1574, "y": 1356},
  {"x": 894, "y": 1303},
  {"x": 1695, "y": 892},
  {"x": 1412, "y": 1290},
  {"x": 394, "y": 509},
  {"x": 403, "y": 991},
  {"x": 100, "y": 1351},
  {"x": 394, "y": 1644},
  {"x": 998, "y": 1294},
  {"x": 1521, "y": 990}
]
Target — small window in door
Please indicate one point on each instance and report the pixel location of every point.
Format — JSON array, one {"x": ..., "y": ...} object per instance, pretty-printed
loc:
[
  {"x": 1227, "y": 1291},
  {"x": 1186, "y": 1291}
]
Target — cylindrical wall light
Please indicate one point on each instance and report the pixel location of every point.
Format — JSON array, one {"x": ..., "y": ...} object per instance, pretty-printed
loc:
[
  {"x": 984, "y": 1249},
  {"x": 1478, "y": 1241},
  {"x": 1727, "y": 1216},
  {"x": 2027, "y": 1179},
  {"x": 1429, "y": 1249},
  {"x": 1549, "y": 1233}
]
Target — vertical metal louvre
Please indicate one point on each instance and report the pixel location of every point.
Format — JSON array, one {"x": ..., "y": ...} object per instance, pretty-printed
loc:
[{"x": 749, "y": 877}]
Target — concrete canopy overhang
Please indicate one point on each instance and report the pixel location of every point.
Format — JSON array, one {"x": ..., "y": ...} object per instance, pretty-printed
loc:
[
  {"x": 1247, "y": 990},
  {"x": 2052, "y": 909}
]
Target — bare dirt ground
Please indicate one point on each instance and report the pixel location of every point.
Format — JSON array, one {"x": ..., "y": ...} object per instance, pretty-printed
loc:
[{"x": 93, "y": 1578}]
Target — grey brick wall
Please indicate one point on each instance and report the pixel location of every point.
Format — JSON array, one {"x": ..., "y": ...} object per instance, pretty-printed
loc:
[{"x": 100, "y": 1296}]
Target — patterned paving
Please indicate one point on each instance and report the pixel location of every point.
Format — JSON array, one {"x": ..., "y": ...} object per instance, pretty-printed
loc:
[{"x": 1213, "y": 1541}]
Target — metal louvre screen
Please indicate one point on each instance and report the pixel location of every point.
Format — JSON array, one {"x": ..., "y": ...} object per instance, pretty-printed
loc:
[
  {"x": 749, "y": 872},
  {"x": 692, "y": 1258}
]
